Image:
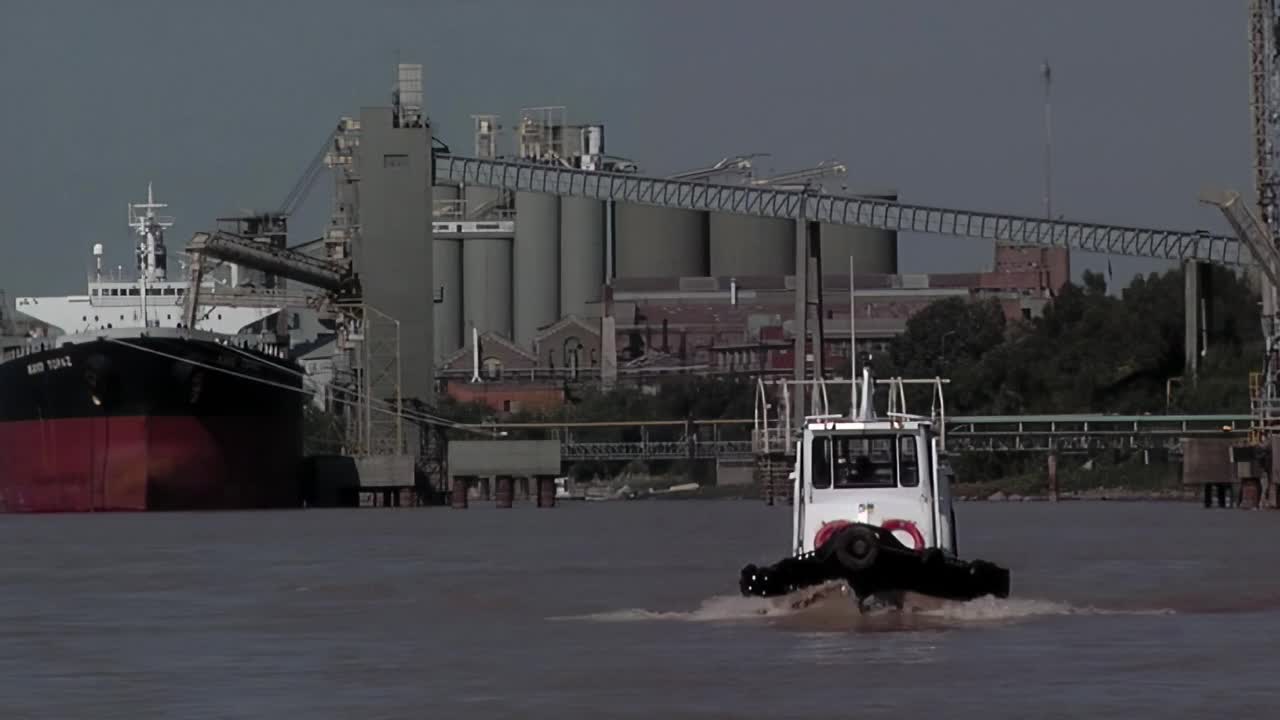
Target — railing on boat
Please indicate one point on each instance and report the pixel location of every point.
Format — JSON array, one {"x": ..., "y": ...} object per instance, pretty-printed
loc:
[{"x": 773, "y": 429}]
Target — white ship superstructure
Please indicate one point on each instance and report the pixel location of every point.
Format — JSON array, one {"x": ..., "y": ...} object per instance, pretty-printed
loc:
[{"x": 149, "y": 300}]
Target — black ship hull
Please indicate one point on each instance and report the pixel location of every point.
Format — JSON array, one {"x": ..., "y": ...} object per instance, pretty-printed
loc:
[{"x": 156, "y": 421}]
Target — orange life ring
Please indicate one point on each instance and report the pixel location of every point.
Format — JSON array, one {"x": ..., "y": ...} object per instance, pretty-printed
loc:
[
  {"x": 826, "y": 531},
  {"x": 829, "y": 529},
  {"x": 908, "y": 527}
]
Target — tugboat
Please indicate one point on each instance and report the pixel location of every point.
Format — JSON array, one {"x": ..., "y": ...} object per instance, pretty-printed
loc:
[{"x": 872, "y": 503}]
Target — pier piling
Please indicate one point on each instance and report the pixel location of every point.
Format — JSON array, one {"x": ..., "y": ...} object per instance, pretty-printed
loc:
[
  {"x": 546, "y": 491},
  {"x": 458, "y": 498},
  {"x": 504, "y": 491},
  {"x": 1053, "y": 476}
]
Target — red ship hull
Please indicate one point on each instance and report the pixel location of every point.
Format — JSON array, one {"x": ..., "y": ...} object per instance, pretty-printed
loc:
[
  {"x": 144, "y": 463},
  {"x": 148, "y": 424}
]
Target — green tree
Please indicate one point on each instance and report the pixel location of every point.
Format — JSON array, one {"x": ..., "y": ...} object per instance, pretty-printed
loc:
[
  {"x": 1088, "y": 351},
  {"x": 948, "y": 339}
]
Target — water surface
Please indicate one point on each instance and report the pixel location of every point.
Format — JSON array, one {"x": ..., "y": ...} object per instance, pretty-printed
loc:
[{"x": 624, "y": 610}]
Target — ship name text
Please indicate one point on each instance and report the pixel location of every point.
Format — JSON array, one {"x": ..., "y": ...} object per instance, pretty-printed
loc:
[{"x": 57, "y": 363}]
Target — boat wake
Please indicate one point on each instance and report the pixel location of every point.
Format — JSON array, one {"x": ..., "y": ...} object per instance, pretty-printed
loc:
[
  {"x": 832, "y": 607},
  {"x": 721, "y": 608}
]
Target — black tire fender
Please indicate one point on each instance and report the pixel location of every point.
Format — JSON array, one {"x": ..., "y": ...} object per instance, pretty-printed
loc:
[{"x": 858, "y": 548}]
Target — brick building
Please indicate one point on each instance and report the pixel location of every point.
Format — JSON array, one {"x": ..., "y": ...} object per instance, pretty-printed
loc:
[
  {"x": 509, "y": 378},
  {"x": 667, "y": 326}
]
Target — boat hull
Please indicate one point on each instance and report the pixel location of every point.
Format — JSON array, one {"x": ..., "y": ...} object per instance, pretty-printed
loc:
[{"x": 126, "y": 426}]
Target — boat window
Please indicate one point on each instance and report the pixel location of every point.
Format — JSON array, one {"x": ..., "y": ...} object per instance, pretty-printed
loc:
[
  {"x": 862, "y": 462},
  {"x": 908, "y": 461},
  {"x": 820, "y": 462}
]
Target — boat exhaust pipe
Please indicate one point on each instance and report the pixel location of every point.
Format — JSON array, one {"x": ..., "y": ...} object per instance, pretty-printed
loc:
[{"x": 865, "y": 408}]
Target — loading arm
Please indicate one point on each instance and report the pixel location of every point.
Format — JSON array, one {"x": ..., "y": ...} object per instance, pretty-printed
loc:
[
  {"x": 802, "y": 177},
  {"x": 1248, "y": 228},
  {"x": 738, "y": 164},
  {"x": 284, "y": 262}
]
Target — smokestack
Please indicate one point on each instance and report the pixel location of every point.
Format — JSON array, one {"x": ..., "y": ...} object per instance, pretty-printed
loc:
[{"x": 475, "y": 354}]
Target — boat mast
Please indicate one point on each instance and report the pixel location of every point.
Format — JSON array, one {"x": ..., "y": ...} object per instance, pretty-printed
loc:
[
  {"x": 150, "y": 228},
  {"x": 853, "y": 347}
]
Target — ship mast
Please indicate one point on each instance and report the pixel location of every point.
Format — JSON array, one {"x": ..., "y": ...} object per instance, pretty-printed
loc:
[{"x": 151, "y": 252}]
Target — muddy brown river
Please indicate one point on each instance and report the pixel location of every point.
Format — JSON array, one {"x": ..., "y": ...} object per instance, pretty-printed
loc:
[{"x": 624, "y": 610}]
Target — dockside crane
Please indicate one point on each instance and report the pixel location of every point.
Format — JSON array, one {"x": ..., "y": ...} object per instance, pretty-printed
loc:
[{"x": 1260, "y": 231}]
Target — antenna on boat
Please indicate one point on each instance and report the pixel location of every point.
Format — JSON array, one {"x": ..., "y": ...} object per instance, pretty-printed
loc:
[
  {"x": 853, "y": 345},
  {"x": 150, "y": 227}
]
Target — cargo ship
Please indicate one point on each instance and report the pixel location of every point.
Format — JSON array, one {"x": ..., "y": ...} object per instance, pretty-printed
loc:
[{"x": 121, "y": 407}]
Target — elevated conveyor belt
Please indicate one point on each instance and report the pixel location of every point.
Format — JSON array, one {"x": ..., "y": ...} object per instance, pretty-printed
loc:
[
  {"x": 286, "y": 263},
  {"x": 842, "y": 210}
]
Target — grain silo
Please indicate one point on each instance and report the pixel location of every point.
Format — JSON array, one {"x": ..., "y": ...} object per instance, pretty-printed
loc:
[
  {"x": 448, "y": 287},
  {"x": 652, "y": 241},
  {"x": 874, "y": 251},
  {"x": 486, "y": 284},
  {"x": 582, "y": 239},
  {"x": 447, "y": 267},
  {"x": 743, "y": 245},
  {"x": 537, "y": 265}
]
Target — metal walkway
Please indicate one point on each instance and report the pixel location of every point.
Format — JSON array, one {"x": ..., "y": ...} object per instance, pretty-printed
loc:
[
  {"x": 841, "y": 210},
  {"x": 1084, "y": 433},
  {"x": 724, "y": 439}
]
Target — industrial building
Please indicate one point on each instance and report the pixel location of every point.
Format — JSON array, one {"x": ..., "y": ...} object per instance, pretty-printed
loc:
[
  {"x": 535, "y": 288},
  {"x": 672, "y": 326},
  {"x": 514, "y": 263},
  {"x": 524, "y": 283},
  {"x": 688, "y": 291}
]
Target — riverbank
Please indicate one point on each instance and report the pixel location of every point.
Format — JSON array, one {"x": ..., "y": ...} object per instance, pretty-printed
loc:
[
  {"x": 1100, "y": 494},
  {"x": 962, "y": 493},
  {"x": 1096, "y": 481}
]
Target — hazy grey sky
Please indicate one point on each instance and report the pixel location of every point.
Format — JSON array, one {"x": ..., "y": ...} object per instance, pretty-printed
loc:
[{"x": 222, "y": 104}]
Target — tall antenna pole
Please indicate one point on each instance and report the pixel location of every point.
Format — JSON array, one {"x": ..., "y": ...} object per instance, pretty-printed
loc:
[
  {"x": 1046, "y": 75},
  {"x": 853, "y": 348}
]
